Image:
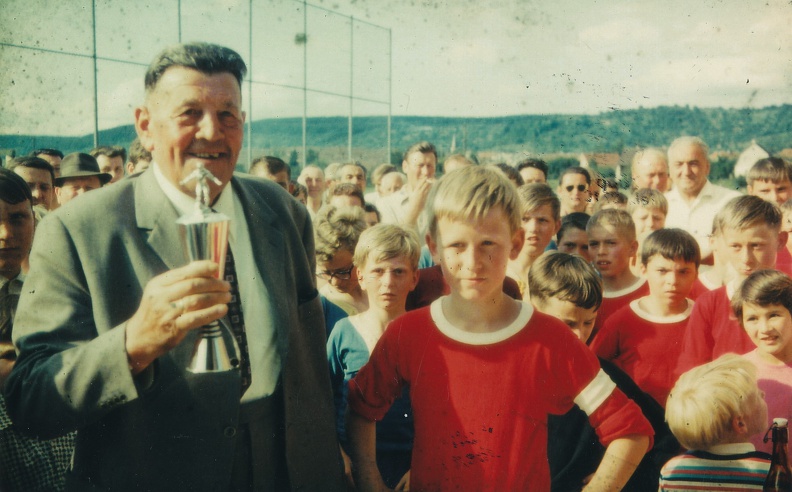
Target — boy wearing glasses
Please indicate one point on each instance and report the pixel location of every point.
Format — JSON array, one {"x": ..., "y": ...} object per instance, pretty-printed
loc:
[
  {"x": 573, "y": 190},
  {"x": 336, "y": 233},
  {"x": 386, "y": 260}
]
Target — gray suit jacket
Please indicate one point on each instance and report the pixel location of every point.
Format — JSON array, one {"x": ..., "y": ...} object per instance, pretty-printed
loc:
[{"x": 91, "y": 260}]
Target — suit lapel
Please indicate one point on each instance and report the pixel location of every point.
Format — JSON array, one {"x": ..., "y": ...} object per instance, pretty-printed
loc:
[
  {"x": 156, "y": 216},
  {"x": 269, "y": 255}
]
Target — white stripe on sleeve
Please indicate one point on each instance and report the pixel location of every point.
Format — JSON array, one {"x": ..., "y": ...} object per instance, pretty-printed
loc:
[{"x": 597, "y": 391}]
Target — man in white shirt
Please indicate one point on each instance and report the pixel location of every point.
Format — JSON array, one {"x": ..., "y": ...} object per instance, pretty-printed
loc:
[
  {"x": 406, "y": 205},
  {"x": 694, "y": 201}
]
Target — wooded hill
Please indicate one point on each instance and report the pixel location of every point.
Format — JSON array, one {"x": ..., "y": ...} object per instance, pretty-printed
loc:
[{"x": 612, "y": 131}]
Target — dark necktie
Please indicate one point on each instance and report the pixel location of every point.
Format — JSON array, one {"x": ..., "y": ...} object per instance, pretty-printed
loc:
[{"x": 238, "y": 321}]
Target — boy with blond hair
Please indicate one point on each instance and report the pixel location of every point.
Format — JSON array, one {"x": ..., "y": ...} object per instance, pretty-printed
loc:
[
  {"x": 612, "y": 243},
  {"x": 714, "y": 410},
  {"x": 763, "y": 304},
  {"x": 541, "y": 220},
  {"x": 567, "y": 287},
  {"x": 769, "y": 179},
  {"x": 648, "y": 209},
  {"x": 485, "y": 370},
  {"x": 748, "y": 230},
  {"x": 386, "y": 267},
  {"x": 644, "y": 337}
]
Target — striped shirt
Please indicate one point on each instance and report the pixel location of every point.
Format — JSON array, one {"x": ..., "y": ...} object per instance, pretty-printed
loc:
[{"x": 726, "y": 467}]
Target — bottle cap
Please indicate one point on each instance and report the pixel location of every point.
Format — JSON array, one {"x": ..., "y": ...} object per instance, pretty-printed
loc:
[{"x": 780, "y": 422}]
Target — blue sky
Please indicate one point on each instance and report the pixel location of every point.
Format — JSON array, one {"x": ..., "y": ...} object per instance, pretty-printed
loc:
[{"x": 460, "y": 58}]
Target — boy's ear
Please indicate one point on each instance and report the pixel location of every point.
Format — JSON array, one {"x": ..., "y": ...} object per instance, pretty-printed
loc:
[
  {"x": 783, "y": 237},
  {"x": 739, "y": 426},
  {"x": 416, "y": 277},
  {"x": 557, "y": 227},
  {"x": 359, "y": 276},
  {"x": 432, "y": 248},
  {"x": 518, "y": 240},
  {"x": 634, "y": 248}
]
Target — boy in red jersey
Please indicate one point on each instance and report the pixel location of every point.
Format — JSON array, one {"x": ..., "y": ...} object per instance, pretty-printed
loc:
[
  {"x": 485, "y": 370},
  {"x": 644, "y": 338},
  {"x": 749, "y": 231},
  {"x": 612, "y": 243}
]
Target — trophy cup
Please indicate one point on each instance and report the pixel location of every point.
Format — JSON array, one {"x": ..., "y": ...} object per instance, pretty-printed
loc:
[{"x": 205, "y": 235}]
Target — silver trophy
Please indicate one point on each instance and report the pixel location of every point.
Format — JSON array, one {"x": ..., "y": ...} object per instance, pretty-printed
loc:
[{"x": 205, "y": 235}]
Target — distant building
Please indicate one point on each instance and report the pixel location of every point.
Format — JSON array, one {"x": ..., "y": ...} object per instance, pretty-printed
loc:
[{"x": 748, "y": 158}]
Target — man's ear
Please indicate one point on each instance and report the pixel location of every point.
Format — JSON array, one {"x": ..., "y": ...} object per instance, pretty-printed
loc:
[{"x": 142, "y": 127}]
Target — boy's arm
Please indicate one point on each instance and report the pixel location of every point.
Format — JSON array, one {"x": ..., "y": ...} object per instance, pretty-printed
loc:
[
  {"x": 622, "y": 457},
  {"x": 362, "y": 434},
  {"x": 620, "y": 426}
]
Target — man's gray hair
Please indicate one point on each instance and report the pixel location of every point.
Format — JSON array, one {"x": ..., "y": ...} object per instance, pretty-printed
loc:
[{"x": 204, "y": 57}]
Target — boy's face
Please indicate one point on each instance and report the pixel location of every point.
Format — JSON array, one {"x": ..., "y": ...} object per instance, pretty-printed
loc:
[
  {"x": 770, "y": 329},
  {"x": 575, "y": 242},
  {"x": 338, "y": 272},
  {"x": 751, "y": 249},
  {"x": 573, "y": 191},
  {"x": 609, "y": 252},
  {"x": 773, "y": 192},
  {"x": 647, "y": 220},
  {"x": 387, "y": 282},
  {"x": 579, "y": 320},
  {"x": 540, "y": 226},
  {"x": 669, "y": 281},
  {"x": 474, "y": 253}
]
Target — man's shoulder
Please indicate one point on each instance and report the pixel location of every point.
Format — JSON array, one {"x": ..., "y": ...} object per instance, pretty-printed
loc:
[
  {"x": 267, "y": 193},
  {"x": 718, "y": 192}
]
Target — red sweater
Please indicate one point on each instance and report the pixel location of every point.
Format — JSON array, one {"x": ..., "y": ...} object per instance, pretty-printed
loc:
[
  {"x": 713, "y": 330},
  {"x": 481, "y": 400},
  {"x": 644, "y": 346}
]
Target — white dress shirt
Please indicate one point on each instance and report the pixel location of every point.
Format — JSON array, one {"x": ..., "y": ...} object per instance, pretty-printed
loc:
[
  {"x": 697, "y": 217},
  {"x": 265, "y": 360}
]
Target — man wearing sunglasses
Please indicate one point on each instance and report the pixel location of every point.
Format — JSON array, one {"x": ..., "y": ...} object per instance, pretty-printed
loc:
[{"x": 573, "y": 190}]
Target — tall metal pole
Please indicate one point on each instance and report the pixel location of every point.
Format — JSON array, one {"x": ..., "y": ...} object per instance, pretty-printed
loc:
[
  {"x": 250, "y": 86},
  {"x": 390, "y": 90},
  {"x": 305, "y": 87},
  {"x": 178, "y": 17},
  {"x": 95, "y": 78},
  {"x": 351, "y": 83}
]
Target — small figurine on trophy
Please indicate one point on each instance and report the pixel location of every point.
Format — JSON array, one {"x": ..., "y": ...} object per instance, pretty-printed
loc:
[
  {"x": 201, "y": 175},
  {"x": 205, "y": 234}
]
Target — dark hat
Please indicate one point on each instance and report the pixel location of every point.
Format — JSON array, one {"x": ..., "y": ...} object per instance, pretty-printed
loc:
[{"x": 79, "y": 165}]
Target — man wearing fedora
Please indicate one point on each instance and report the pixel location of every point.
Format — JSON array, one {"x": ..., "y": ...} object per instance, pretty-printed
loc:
[{"x": 79, "y": 174}]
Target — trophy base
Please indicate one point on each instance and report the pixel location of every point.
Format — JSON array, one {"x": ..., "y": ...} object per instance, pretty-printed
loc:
[{"x": 211, "y": 353}]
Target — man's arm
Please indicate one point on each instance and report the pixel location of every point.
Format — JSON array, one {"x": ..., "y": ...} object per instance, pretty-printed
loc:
[
  {"x": 76, "y": 345},
  {"x": 622, "y": 457},
  {"x": 362, "y": 434}
]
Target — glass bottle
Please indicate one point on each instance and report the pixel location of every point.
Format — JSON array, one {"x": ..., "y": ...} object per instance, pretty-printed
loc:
[{"x": 779, "y": 478}]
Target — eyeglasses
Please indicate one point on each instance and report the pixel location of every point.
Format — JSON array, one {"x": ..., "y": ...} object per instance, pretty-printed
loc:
[
  {"x": 342, "y": 274},
  {"x": 580, "y": 188}
]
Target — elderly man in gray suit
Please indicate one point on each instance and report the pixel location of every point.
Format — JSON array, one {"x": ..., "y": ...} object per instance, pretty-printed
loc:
[{"x": 111, "y": 307}]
